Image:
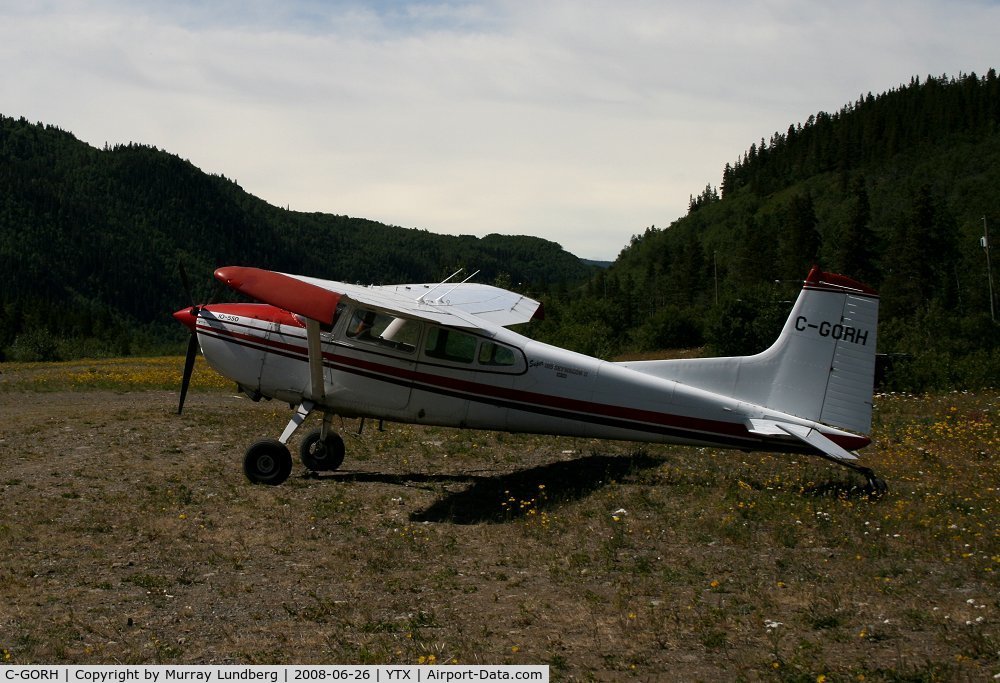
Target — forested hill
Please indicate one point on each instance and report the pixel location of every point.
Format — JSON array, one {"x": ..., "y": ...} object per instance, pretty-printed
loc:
[
  {"x": 90, "y": 241},
  {"x": 892, "y": 190}
]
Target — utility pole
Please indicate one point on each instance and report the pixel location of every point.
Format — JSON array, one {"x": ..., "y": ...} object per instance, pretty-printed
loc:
[{"x": 989, "y": 267}]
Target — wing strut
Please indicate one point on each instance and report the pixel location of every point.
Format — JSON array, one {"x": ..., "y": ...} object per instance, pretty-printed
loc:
[{"x": 318, "y": 389}]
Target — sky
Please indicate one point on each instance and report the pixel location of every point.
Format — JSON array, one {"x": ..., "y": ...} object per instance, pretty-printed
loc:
[{"x": 579, "y": 122}]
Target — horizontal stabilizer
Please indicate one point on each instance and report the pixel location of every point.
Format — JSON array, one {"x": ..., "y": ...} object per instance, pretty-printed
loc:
[
  {"x": 766, "y": 428},
  {"x": 808, "y": 435}
]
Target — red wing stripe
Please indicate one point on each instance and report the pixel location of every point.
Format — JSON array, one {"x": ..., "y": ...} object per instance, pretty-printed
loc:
[{"x": 282, "y": 291}]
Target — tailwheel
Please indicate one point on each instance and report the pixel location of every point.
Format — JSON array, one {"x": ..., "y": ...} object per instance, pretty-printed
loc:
[
  {"x": 876, "y": 487},
  {"x": 322, "y": 455},
  {"x": 267, "y": 462}
]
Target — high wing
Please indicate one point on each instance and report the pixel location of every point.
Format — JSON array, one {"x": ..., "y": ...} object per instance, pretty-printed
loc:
[{"x": 467, "y": 305}]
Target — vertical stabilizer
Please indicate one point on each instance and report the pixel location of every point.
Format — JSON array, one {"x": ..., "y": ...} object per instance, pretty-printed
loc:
[{"x": 821, "y": 368}]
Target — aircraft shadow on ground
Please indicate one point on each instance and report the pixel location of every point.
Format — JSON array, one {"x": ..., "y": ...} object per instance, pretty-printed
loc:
[{"x": 507, "y": 497}]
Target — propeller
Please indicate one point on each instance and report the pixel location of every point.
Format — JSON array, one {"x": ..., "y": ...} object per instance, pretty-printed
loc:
[
  {"x": 189, "y": 318},
  {"x": 192, "y": 351}
]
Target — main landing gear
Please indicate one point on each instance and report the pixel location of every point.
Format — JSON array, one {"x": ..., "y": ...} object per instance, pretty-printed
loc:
[
  {"x": 321, "y": 454},
  {"x": 269, "y": 461}
]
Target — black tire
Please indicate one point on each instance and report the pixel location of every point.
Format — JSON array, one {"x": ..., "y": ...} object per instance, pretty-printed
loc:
[
  {"x": 322, "y": 456},
  {"x": 267, "y": 462}
]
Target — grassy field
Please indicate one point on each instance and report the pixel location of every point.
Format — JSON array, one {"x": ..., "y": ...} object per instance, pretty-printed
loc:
[{"x": 129, "y": 534}]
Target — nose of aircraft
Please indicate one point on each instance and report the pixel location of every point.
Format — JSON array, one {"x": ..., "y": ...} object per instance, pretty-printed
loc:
[{"x": 187, "y": 317}]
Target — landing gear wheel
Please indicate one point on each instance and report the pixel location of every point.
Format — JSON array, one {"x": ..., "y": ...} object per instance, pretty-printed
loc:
[
  {"x": 267, "y": 462},
  {"x": 322, "y": 455},
  {"x": 877, "y": 487}
]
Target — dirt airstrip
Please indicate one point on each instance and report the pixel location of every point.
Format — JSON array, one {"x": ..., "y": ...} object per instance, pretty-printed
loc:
[{"x": 129, "y": 534}]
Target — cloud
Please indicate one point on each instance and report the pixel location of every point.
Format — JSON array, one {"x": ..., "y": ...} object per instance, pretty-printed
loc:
[{"x": 579, "y": 122}]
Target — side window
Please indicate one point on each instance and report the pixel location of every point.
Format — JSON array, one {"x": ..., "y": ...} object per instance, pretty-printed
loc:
[
  {"x": 496, "y": 355},
  {"x": 362, "y": 324},
  {"x": 404, "y": 333},
  {"x": 450, "y": 345},
  {"x": 383, "y": 330}
]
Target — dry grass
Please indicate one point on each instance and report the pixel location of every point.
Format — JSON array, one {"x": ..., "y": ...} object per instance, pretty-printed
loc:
[
  {"x": 130, "y": 535},
  {"x": 120, "y": 374}
]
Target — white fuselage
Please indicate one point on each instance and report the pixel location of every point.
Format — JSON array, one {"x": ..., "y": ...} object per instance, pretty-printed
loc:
[{"x": 490, "y": 379}]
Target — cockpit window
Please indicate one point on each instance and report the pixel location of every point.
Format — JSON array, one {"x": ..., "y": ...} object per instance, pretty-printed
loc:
[{"x": 384, "y": 330}]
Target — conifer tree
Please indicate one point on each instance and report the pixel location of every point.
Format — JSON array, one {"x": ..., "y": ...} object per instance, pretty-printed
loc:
[
  {"x": 856, "y": 248},
  {"x": 799, "y": 240}
]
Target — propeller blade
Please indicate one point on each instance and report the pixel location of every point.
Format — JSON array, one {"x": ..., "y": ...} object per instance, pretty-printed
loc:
[
  {"x": 217, "y": 289},
  {"x": 192, "y": 352},
  {"x": 186, "y": 282}
]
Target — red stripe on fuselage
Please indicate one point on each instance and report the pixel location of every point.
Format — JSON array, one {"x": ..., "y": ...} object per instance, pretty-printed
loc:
[{"x": 632, "y": 418}]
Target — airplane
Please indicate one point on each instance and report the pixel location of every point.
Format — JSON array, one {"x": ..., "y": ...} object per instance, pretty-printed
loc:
[{"x": 442, "y": 354}]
